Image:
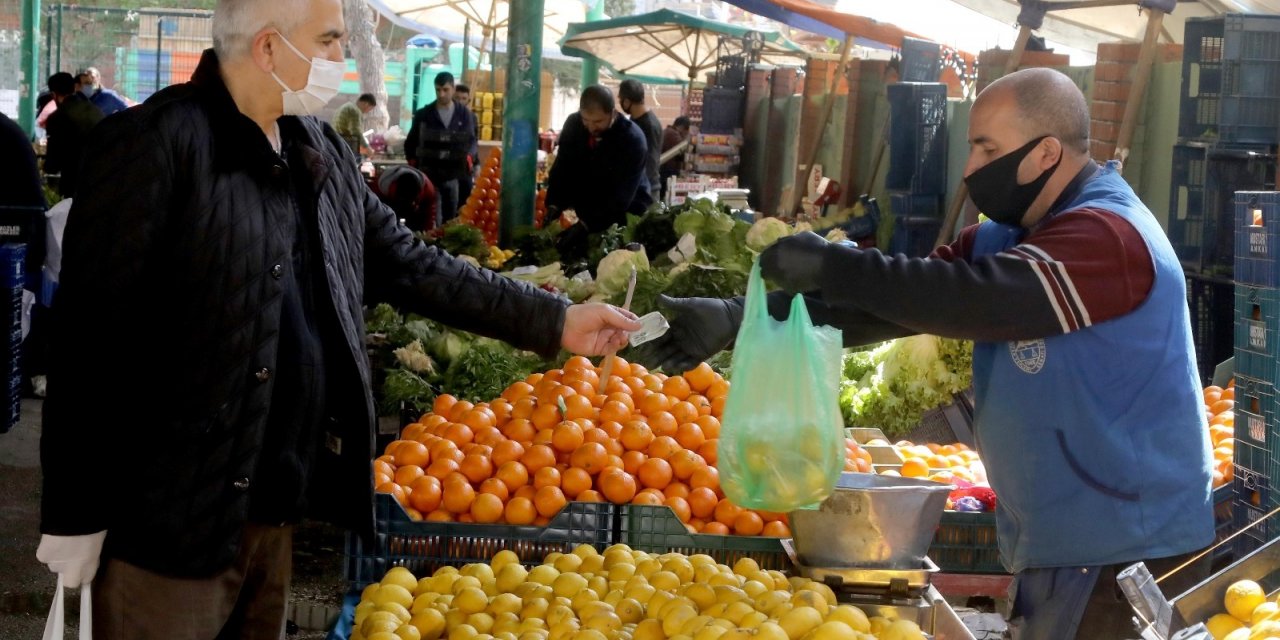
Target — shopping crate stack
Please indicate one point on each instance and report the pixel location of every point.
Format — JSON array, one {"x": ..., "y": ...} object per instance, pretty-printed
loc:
[
  {"x": 1256, "y": 217},
  {"x": 12, "y": 257},
  {"x": 917, "y": 178},
  {"x": 1228, "y": 129}
]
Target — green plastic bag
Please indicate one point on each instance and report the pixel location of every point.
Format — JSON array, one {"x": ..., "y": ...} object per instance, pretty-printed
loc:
[{"x": 782, "y": 446}]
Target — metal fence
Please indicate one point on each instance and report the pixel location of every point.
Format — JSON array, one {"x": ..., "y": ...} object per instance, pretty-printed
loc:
[{"x": 137, "y": 51}]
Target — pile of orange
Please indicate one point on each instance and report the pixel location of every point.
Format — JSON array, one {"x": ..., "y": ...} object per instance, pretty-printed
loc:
[
  {"x": 555, "y": 437},
  {"x": 481, "y": 208},
  {"x": 540, "y": 208},
  {"x": 938, "y": 462},
  {"x": 1219, "y": 409}
]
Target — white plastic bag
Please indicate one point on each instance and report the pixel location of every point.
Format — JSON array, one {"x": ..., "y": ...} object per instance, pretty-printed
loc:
[{"x": 55, "y": 627}]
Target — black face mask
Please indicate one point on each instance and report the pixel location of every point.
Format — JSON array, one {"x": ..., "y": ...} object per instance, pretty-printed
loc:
[{"x": 995, "y": 189}]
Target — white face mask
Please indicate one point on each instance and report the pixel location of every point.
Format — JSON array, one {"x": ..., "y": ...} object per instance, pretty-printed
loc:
[{"x": 323, "y": 84}]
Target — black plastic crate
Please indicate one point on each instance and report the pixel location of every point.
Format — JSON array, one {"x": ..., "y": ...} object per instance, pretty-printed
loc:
[
  {"x": 1230, "y": 76},
  {"x": 721, "y": 110},
  {"x": 1252, "y": 487},
  {"x": 917, "y": 137},
  {"x": 1211, "y": 303},
  {"x": 966, "y": 543},
  {"x": 731, "y": 71},
  {"x": 1257, "y": 221},
  {"x": 1244, "y": 514},
  {"x": 921, "y": 60},
  {"x": 1249, "y": 109},
  {"x": 1201, "y": 78},
  {"x": 911, "y": 205},
  {"x": 423, "y": 547},
  {"x": 914, "y": 237},
  {"x": 1257, "y": 332},
  {"x": 1202, "y": 201}
]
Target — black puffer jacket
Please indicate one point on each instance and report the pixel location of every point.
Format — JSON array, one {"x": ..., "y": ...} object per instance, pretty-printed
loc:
[{"x": 167, "y": 322}]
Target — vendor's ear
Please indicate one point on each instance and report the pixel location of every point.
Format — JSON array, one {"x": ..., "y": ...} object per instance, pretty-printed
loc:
[
  {"x": 263, "y": 48},
  {"x": 1049, "y": 153}
]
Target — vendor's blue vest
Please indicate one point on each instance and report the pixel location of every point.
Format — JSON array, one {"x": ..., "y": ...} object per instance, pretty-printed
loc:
[{"x": 1095, "y": 441}]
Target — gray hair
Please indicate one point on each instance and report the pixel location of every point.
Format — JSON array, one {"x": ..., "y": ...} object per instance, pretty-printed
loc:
[
  {"x": 236, "y": 21},
  {"x": 1049, "y": 103}
]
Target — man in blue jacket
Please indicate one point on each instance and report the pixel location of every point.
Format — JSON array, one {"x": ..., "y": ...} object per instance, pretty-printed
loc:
[
  {"x": 441, "y": 138},
  {"x": 1089, "y": 415},
  {"x": 103, "y": 98}
]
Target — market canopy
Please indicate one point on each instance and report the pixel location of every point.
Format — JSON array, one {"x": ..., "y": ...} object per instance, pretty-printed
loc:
[
  {"x": 671, "y": 46},
  {"x": 488, "y": 19}
]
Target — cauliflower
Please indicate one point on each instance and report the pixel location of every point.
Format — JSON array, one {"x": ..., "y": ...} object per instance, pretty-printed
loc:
[
  {"x": 765, "y": 232},
  {"x": 414, "y": 358}
]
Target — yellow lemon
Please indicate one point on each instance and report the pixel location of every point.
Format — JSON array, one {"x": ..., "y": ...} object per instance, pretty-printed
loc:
[{"x": 1242, "y": 598}]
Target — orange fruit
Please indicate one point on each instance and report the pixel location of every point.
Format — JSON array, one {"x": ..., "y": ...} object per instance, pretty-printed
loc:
[
  {"x": 487, "y": 508},
  {"x": 706, "y": 476},
  {"x": 496, "y": 487},
  {"x": 523, "y": 408},
  {"x": 458, "y": 409},
  {"x": 663, "y": 447},
  {"x": 442, "y": 468},
  {"x": 459, "y": 433},
  {"x": 683, "y": 412},
  {"x": 458, "y": 497},
  {"x": 412, "y": 452},
  {"x": 578, "y": 363},
  {"x": 506, "y": 451},
  {"x": 716, "y": 528},
  {"x": 701, "y": 377},
  {"x": 519, "y": 430},
  {"x": 549, "y": 501},
  {"x": 717, "y": 406},
  {"x": 520, "y": 511},
  {"x": 677, "y": 387},
  {"x": 914, "y": 468},
  {"x": 442, "y": 404},
  {"x": 478, "y": 419},
  {"x": 610, "y": 428},
  {"x": 566, "y": 436},
  {"x": 415, "y": 431},
  {"x": 689, "y": 435},
  {"x": 726, "y": 512},
  {"x": 590, "y": 457},
  {"x": 651, "y": 497},
  {"x": 614, "y": 411},
  {"x": 710, "y": 426},
  {"x": 622, "y": 397},
  {"x": 748, "y": 523},
  {"x": 545, "y": 415},
  {"x": 653, "y": 403},
  {"x": 517, "y": 390},
  {"x": 635, "y": 435},
  {"x": 662, "y": 423},
  {"x": 396, "y": 492},
  {"x": 680, "y": 507},
  {"x": 702, "y": 502},
  {"x": 654, "y": 473},
  {"x": 631, "y": 461},
  {"x": 590, "y": 495},
  {"x": 439, "y": 515},
  {"x": 407, "y": 474},
  {"x": 1222, "y": 405},
  {"x": 537, "y": 457},
  {"x": 618, "y": 486},
  {"x": 676, "y": 489},
  {"x": 578, "y": 406},
  {"x": 546, "y": 477},
  {"x": 476, "y": 467},
  {"x": 573, "y": 481},
  {"x": 710, "y": 451},
  {"x": 685, "y": 463},
  {"x": 513, "y": 474},
  {"x": 776, "y": 529}
]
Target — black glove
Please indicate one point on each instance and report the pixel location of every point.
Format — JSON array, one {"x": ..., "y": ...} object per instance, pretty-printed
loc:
[
  {"x": 571, "y": 243},
  {"x": 795, "y": 263},
  {"x": 700, "y": 328}
]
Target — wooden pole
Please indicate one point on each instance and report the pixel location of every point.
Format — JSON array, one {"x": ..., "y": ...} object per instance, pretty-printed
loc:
[
  {"x": 1141, "y": 77},
  {"x": 827, "y": 107},
  {"x": 962, "y": 193}
]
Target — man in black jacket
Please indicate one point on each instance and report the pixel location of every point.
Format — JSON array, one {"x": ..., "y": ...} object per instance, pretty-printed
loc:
[
  {"x": 67, "y": 128},
  {"x": 222, "y": 269},
  {"x": 440, "y": 141},
  {"x": 599, "y": 171}
]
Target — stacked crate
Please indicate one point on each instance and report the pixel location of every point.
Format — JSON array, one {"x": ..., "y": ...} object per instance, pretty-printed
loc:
[
  {"x": 917, "y": 178},
  {"x": 488, "y": 110},
  {"x": 1257, "y": 356},
  {"x": 1227, "y": 136},
  {"x": 11, "y": 278}
]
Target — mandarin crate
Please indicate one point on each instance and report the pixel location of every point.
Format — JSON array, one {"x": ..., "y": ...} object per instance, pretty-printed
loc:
[
  {"x": 1257, "y": 343},
  {"x": 966, "y": 543},
  {"x": 656, "y": 529},
  {"x": 1251, "y": 456},
  {"x": 1231, "y": 79},
  {"x": 1243, "y": 514},
  {"x": 1252, "y": 487},
  {"x": 1257, "y": 220},
  {"x": 423, "y": 547},
  {"x": 917, "y": 137},
  {"x": 1202, "y": 224},
  {"x": 1255, "y": 421}
]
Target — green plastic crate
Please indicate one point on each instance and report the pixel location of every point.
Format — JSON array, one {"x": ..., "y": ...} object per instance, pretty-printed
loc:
[
  {"x": 423, "y": 547},
  {"x": 966, "y": 543},
  {"x": 656, "y": 529}
]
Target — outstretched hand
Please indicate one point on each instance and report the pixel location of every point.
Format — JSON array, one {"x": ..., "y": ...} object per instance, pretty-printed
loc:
[{"x": 596, "y": 328}]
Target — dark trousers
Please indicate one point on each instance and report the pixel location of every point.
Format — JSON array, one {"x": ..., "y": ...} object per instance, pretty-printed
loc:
[
  {"x": 446, "y": 200},
  {"x": 248, "y": 601}
]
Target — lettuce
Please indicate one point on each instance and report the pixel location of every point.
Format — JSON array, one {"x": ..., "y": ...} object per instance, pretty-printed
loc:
[
  {"x": 765, "y": 232},
  {"x": 892, "y": 385},
  {"x": 614, "y": 270}
]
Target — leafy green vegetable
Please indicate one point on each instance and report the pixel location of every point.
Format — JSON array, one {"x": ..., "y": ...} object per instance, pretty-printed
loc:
[
  {"x": 448, "y": 346},
  {"x": 614, "y": 271},
  {"x": 765, "y": 232},
  {"x": 383, "y": 319},
  {"x": 602, "y": 244},
  {"x": 464, "y": 240},
  {"x": 892, "y": 385},
  {"x": 483, "y": 371},
  {"x": 655, "y": 229},
  {"x": 535, "y": 247},
  {"x": 407, "y": 387},
  {"x": 649, "y": 283},
  {"x": 707, "y": 282}
]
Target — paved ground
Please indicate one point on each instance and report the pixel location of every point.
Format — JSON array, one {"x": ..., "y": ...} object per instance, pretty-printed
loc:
[{"x": 26, "y": 586}]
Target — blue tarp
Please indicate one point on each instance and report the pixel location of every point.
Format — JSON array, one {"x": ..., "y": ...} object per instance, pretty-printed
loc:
[{"x": 794, "y": 20}]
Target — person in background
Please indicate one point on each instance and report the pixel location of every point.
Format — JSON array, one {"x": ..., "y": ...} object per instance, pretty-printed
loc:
[
  {"x": 24, "y": 195},
  {"x": 18, "y": 165},
  {"x": 349, "y": 120},
  {"x": 106, "y": 100},
  {"x": 441, "y": 139},
  {"x": 410, "y": 195},
  {"x": 631, "y": 100},
  {"x": 225, "y": 260},
  {"x": 67, "y": 128},
  {"x": 462, "y": 93},
  {"x": 674, "y": 134},
  {"x": 1089, "y": 412},
  {"x": 599, "y": 171}
]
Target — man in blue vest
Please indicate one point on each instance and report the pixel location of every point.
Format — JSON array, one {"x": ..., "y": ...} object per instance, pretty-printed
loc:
[{"x": 1089, "y": 415}]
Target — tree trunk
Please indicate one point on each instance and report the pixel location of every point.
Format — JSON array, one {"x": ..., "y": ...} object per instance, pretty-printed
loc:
[{"x": 367, "y": 52}]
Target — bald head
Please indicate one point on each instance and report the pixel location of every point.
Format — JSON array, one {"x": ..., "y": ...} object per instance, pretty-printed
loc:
[{"x": 1044, "y": 102}]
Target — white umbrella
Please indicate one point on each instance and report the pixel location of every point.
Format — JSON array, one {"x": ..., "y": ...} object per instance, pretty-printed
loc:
[{"x": 489, "y": 18}]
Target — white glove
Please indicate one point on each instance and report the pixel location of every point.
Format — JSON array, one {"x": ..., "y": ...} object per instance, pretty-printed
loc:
[{"x": 73, "y": 558}]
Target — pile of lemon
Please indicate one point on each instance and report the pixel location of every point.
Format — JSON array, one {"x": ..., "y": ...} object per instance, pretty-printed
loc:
[
  {"x": 621, "y": 594},
  {"x": 1249, "y": 616}
]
